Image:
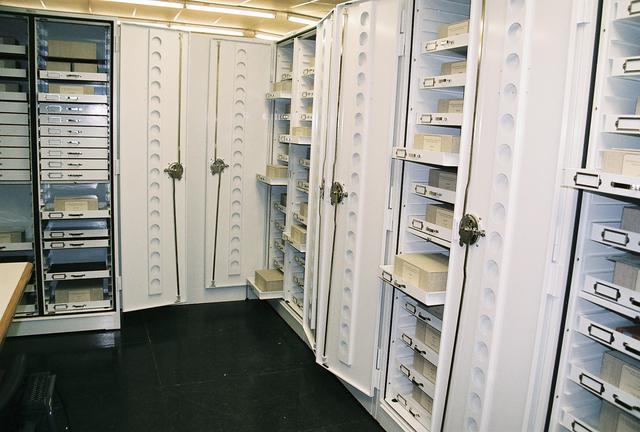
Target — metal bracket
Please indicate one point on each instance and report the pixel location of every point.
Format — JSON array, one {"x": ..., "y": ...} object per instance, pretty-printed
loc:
[
  {"x": 337, "y": 193},
  {"x": 175, "y": 170},
  {"x": 217, "y": 166},
  {"x": 469, "y": 230}
]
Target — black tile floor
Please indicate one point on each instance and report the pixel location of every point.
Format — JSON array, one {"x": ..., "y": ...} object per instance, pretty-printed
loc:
[{"x": 233, "y": 366}]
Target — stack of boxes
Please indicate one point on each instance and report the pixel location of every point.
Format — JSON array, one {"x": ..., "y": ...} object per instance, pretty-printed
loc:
[
  {"x": 443, "y": 179},
  {"x": 268, "y": 280},
  {"x": 425, "y": 271}
]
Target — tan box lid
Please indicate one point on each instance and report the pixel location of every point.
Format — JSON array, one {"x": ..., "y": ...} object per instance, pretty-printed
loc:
[
  {"x": 270, "y": 275},
  {"x": 432, "y": 262}
]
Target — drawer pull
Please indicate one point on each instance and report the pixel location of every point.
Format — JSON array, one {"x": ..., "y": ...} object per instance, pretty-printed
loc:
[
  {"x": 76, "y": 234},
  {"x": 79, "y": 306},
  {"x": 418, "y": 383},
  {"x": 58, "y": 276},
  {"x": 615, "y": 237},
  {"x": 75, "y": 164},
  {"x": 590, "y": 383},
  {"x": 424, "y": 318},
  {"x": 610, "y": 337},
  {"x": 405, "y": 370},
  {"x": 72, "y": 97},
  {"x": 74, "y": 153},
  {"x": 579, "y": 427},
  {"x": 601, "y": 290},
  {"x": 2, "y": 247},
  {"x": 73, "y": 142},
  {"x": 625, "y": 405},
  {"x": 75, "y": 175},
  {"x": 630, "y": 349},
  {"x": 76, "y": 244},
  {"x": 72, "y": 120},
  {"x": 75, "y": 132},
  {"x": 74, "y": 75},
  {"x": 76, "y": 214},
  {"x": 75, "y": 109},
  {"x": 414, "y": 414},
  {"x": 80, "y": 275},
  {"x": 634, "y": 302}
]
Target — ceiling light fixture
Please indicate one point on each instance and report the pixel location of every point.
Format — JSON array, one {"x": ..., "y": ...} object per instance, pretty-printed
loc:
[
  {"x": 302, "y": 20},
  {"x": 210, "y": 30},
  {"x": 268, "y": 37},
  {"x": 232, "y": 10},
  {"x": 158, "y": 3}
]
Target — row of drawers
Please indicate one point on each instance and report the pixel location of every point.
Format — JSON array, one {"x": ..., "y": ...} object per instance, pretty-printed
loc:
[
  {"x": 50, "y": 108},
  {"x": 52, "y": 176},
  {"x": 64, "y": 164},
  {"x": 62, "y": 131},
  {"x": 23, "y": 141},
  {"x": 54, "y": 153},
  {"x": 7, "y": 119}
]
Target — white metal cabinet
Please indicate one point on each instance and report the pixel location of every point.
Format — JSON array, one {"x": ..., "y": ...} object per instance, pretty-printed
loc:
[
  {"x": 368, "y": 35},
  {"x": 151, "y": 132}
]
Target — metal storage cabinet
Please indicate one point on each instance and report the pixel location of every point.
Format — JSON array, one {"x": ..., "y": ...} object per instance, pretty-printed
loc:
[{"x": 17, "y": 223}]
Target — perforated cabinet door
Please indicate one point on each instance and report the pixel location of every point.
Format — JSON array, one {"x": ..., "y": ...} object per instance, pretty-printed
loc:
[
  {"x": 349, "y": 297},
  {"x": 149, "y": 138}
]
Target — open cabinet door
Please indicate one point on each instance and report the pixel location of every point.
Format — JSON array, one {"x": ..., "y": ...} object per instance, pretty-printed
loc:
[
  {"x": 227, "y": 122},
  {"x": 368, "y": 35},
  {"x": 152, "y": 211}
]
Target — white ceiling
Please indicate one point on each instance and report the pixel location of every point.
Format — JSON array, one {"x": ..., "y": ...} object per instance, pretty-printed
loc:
[{"x": 280, "y": 25}]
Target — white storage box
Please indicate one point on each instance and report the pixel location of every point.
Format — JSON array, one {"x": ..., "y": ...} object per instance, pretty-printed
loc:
[
  {"x": 276, "y": 171},
  {"x": 424, "y": 271},
  {"x": 453, "y": 29},
  {"x": 453, "y": 68},
  {"x": 631, "y": 219},
  {"x": 80, "y": 203},
  {"x": 12, "y": 236},
  {"x": 440, "y": 215},
  {"x": 621, "y": 371},
  {"x": 437, "y": 143},
  {"x": 626, "y": 271},
  {"x": 443, "y": 179},
  {"x": 621, "y": 161},
  {"x": 450, "y": 105},
  {"x": 269, "y": 280}
]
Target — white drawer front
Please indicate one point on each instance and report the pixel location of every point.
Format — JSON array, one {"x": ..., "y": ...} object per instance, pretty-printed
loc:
[
  {"x": 14, "y": 119},
  {"x": 75, "y": 164},
  {"x": 95, "y": 274},
  {"x": 86, "y": 214},
  {"x": 75, "y": 244},
  {"x": 14, "y": 107},
  {"x": 13, "y": 73},
  {"x": 74, "y": 142},
  {"x": 14, "y": 164},
  {"x": 74, "y": 153},
  {"x": 73, "y": 76},
  {"x": 15, "y": 175},
  {"x": 13, "y": 96},
  {"x": 14, "y": 130},
  {"x": 74, "y": 234},
  {"x": 17, "y": 141},
  {"x": 56, "y": 97},
  {"x": 74, "y": 131},
  {"x": 85, "y": 109},
  {"x": 73, "y": 120},
  {"x": 14, "y": 153},
  {"x": 70, "y": 175}
]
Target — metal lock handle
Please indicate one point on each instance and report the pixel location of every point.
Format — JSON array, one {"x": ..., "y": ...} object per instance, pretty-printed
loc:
[
  {"x": 469, "y": 230},
  {"x": 337, "y": 193},
  {"x": 175, "y": 170},
  {"x": 217, "y": 166}
]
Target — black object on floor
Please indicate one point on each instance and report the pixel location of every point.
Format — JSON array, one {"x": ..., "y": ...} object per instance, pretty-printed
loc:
[{"x": 232, "y": 367}]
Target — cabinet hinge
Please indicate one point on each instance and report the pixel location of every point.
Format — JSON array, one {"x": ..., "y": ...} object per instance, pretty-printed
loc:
[
  {"x": 119, "y": 282},
  {"x": 388, "y": 219},
  {"x": 116, "y": 166}
]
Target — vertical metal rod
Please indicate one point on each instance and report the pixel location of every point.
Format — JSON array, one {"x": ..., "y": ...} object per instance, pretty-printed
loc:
[{"x": 215, "y": 158}]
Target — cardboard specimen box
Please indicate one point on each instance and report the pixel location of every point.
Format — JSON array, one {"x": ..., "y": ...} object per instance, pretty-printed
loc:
[
  {"x": 423, "y": 399},
  {"x": 424, "y": 367},
  {"x": 443, "y": 179},
  {"x": 298, "y": 234},
  {"x": 85, "y": 67},
  {"x": 301, "y": 131},
  {"x": 73, "y": 49},
  {"x": 613, "y": 419},
  {"x": 71, "y": 89},
  {"x": 80, "y": 203},
  {"x": 626, "y": 271},
  {"x": 453, "y": 106},
  {"x": 621, "y": 371},
  {"x": 453, "y": 68},
  {"x": 621, "y": 161},
  {"x": 269, "y": 280},
  {"x": 58, "y": 66},
  {"x": 304, "y": 208},
  {"x": 12, "y": 236},
  {"x": 281, "y": 86},
  {"x": 437, "y": 143},
  {"x": 80, "y": 291},
  {"x": 9, "y": 87},
  {"x": 453, "y": 29},
  {"x": 276, "y": 171},
  {"x": 439, "y": 214},
  {"x": 631, "y": 219},
  {"x": 425, "y": 271},
  {"x": 428, "y": 335}
]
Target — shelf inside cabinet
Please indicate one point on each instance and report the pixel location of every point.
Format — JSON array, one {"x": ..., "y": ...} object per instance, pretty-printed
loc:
[
  {"x": 299, "y": 218},
  {"x": 73, "y": 76},
  {"x": 278, "y": 95},
  {"x": 607, "y": 183},
  {"x": 626, "y": 67},
  {"x": 72, "y": 98},
  {"x": 300, "y": 247},
  {"x": 432, "y": 192},
  {"x": 619, "y": 299},
  {"x": 611, "y": 235},
  {"x": 17, "y": 50},
  {"x": 439, "y": 119},
  {"x": 454, "y": 44},
  {"x": 443, "y": 81},
  {"x": 294, "y": 139},
  {"x": 416, "y": 415},
  {"x": 427, "y": 298},
  {"x": 430, "y": 232},
  {"x": 409, "y": 339},
  {"x": 415, "y": 377},
  {"x": 263, "y": 295},
  {"x": 602, "y": 327},
  {"x": 271, "y": 181},
  {"x": 280, "y": 208},
  {"x": 622, "y": 124},
  {"x": 587, "y": 376},
  {"x": 426, "y": 157},
  {"x": 581, "y": 419},
  {"x": 16, "y": 247},
  {"x": 85, "y": 214},
  {"x": 13, "y": 73}
]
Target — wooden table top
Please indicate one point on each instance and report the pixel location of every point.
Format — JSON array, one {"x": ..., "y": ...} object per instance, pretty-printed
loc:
[{"x": 13, "y": 279}]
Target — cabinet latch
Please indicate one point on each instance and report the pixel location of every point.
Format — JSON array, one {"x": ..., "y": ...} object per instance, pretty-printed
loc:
[
  {"x": 337, "y": 193},
  {"x": 470, "y": 231},
  {"x": 175, "y": 170},
  {"x": 217, "y": 166}
]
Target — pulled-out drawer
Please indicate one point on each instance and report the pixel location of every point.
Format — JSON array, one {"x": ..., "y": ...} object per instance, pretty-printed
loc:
[
  {"x": 74, "y": 120},
  {"x": 57, "y": 97},
  {"x": 14, "y": 119},
  {"x": 15, "y": 175},
  {"x": 73, "y": 76},
  {"x": 74, "y": 153},
  {"x": 14, "y": 107},
  {"x": 70, "y": 175},
  {"x": 75, "y": 229},
  {"x": 77, "y": 275},
  {"x": 13, "y": 130},
  {"x": 74, "y": 164},
  {"x": 85, "y": 109},
  {"x": 75, "y": 244},
  {"x": 15, "y": 164},
  {"x": 14, "y": 141},
  {"x": 74, "y": 142},
  {"x": 14, "y": 153},
  {"x": 74, "y": 131}
]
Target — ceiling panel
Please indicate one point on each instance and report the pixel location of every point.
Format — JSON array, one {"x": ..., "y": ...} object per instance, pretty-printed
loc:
[{"x": 280, "y": 25}]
